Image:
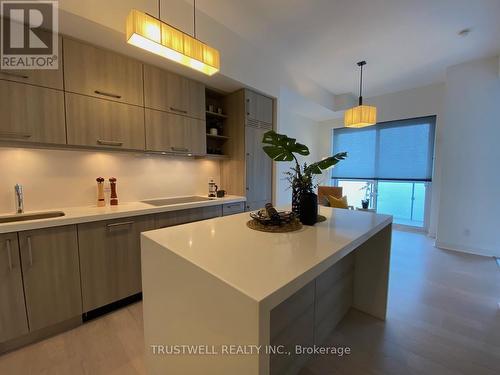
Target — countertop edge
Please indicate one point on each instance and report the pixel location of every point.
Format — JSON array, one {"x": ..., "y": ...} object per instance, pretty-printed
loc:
[
  {"x": 274, "y": 298},
  {"x": 87, "y": 214}
]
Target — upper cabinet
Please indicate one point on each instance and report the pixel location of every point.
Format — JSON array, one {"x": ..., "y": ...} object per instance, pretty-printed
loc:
[
  {"x": 259, "y": 109},
  {"x": 51, "y": 78},
  {"x": 101, "y": 73},
  {"x": 102, "y": 123},
  {"x": 31, "y": 114},
  {"x": 169, "y": 92},
  {"x": 168, "y": 132}
]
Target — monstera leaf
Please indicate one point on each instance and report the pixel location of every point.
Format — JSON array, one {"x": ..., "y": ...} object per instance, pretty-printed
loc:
[
  {"x": 318, "y": 167},
  {"x": 282, "y": 148}
]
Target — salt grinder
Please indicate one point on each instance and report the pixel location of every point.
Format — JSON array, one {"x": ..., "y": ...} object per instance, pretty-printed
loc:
[{"x": 100, "y": 192}]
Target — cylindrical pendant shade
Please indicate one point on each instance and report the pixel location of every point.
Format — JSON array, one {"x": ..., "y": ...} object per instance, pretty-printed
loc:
[
  {"x": 360, "y": 116},
  {"x": 149, "y": 33}
]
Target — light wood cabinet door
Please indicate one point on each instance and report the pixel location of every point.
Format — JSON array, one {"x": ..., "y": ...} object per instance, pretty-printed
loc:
[
  {"x": 110, "y": 259},
  {"x": 259, "y": 109},
  {"x": 13, "y": 321},
  {"x": 168, "y": 219},
  {"x": 251, "y": 106},
  {"x": 31, "y": 114},
  {"x": 101, "y": 73},
  {"x": 51, "y": 275},
  {"x": 258, "y": 167},
  {"x": 103, "y": 123},
  {"x": 265, "y": 111},
  {"x": 52, "y": 78},
  {"x": 169, "y": 92},
  {"x": 168, "y": 132}
]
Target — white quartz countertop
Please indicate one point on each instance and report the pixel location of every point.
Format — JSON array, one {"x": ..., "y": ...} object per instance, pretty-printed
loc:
[
  {"x": 260, "y": 264},
  {"x": 77, "y": 215}
]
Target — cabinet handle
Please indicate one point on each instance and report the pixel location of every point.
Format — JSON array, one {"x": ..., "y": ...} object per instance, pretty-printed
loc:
[
  {"x": 17, "y": 75},
  {"x": 30, "y": 251},
  {"x": 178, "y": 110},
  {"x": 9, "y": 254},
  {"x": 109, "y": 143},
  {"x": 111, "y": 95},
  {"x": 179, "y": 149},
  {"x": 14, "y": 135},
  {"x": 114, "y": 225}
]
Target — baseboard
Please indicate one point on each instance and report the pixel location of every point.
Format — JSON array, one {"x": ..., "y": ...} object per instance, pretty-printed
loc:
[
  {"x": 40, "y": 334},
  {"x": 461, "y": 249}
]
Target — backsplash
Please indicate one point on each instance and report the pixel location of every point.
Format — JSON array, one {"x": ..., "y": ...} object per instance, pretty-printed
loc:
[{"x": 66, "y": 178}]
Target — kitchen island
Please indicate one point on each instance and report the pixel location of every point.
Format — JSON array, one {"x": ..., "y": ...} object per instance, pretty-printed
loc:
[{"x": 220, "y": 298}]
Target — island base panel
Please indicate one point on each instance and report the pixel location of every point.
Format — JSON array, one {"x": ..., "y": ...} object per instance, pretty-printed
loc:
[{"x": 359, "y": 280}]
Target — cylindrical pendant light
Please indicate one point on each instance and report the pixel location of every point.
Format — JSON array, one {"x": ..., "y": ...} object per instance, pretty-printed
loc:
[{"x": 362, "y": 115}]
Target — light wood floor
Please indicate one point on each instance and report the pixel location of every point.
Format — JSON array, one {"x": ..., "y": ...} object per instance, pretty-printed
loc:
[{"x": 443, "y": 319}]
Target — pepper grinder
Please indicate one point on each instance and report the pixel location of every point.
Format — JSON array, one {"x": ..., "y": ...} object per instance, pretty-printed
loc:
[
  {"x": 100, "y": 192},
  {"x": 113, "y": 201}
]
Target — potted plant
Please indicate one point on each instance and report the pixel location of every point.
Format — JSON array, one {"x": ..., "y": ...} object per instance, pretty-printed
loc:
[
  {"x": 365, "y": 203},
  {"x": 280, "y": 147}
]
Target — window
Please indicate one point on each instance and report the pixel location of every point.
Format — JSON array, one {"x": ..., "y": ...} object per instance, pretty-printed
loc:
[{"x": 394, "y": 160}]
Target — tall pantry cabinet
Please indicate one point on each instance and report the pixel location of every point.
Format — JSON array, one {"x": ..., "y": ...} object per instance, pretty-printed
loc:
[{"x": 248, "y": 171}]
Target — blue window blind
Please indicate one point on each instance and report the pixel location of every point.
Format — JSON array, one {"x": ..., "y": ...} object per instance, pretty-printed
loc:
[{"x": 395, "y": 150}]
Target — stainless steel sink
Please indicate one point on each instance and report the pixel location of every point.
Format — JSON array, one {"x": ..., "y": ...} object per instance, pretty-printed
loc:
[
  {"x": 30, "y": 216},
  {"x": 169, "y": 201}
]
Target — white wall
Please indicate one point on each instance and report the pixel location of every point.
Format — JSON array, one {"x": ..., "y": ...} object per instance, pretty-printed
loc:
[
  {"x": 63, "y": 178},
  {"x": 305, "y": 131},
  {"x": 469, "y": 213},
  {"x": 418, "y": 102}
]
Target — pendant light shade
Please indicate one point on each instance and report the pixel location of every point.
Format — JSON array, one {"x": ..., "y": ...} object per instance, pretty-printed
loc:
[
  {"x": 362, "y": 115},
  {"x": 153, "y": 35}
]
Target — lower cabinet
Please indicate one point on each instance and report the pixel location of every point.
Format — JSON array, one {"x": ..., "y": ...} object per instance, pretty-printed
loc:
[
  {"x": 49, "y": 259},
  {"x": 13, "y": 320},
  {"x": 233, "y": 208},
  {"x": 110, "y": 259},
  {"x": 168, "y": 219}
]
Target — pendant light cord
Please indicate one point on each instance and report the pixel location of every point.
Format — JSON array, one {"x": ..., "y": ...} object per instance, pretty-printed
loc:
[
  {"x": 159, "y": 10},
  {"x": 361, "y": 64},
  {"x": 194, "y": 19},
  {"x": 361, "y": 87}
]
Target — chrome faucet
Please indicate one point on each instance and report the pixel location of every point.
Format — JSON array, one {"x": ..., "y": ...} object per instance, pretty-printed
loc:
[{"x": 19, "y": 198}]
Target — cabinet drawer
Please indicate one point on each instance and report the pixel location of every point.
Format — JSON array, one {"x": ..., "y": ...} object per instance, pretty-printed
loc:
[
  {"x": 233, "y": 208},
  {"x": 168, "y": 219},
  {"x": 168, "y": 132},
  {"x": 52, "y": 78},
  {"x": 103, "y": 123},
  {"x": 166, "y": 91},
  {"x": 51, "y": 275},
  {"x": 31, "y": 114},
  {"x": 110, "y": 259},
  {"x": 13, "y": 320},
  {"x": 97, "y": 72}
]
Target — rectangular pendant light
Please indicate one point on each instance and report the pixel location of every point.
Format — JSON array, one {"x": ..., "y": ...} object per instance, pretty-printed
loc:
[
  {"x": 151, "y": 34},
  {"x": 360, "y": 116}
]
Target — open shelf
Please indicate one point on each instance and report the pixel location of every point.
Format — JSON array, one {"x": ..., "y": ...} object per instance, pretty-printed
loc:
[
  {"x": 214, "y": 156},
  {"x": 221, "y": 137},
  {"x": 215, "y": 114}
]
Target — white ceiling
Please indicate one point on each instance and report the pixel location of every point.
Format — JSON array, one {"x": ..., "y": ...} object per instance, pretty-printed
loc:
[{"x": 407, "y": 43}]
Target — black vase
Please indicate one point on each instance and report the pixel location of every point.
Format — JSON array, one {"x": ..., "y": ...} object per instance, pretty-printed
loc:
[{"x": 308, "y": 208}]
